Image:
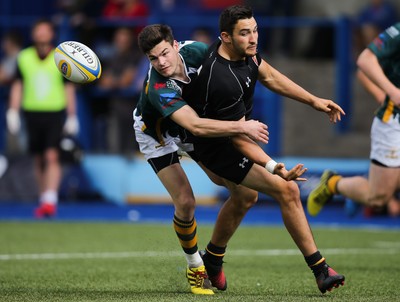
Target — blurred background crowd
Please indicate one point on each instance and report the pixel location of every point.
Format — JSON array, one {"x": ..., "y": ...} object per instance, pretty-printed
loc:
[
  {"x": 110, "y": 28},
  {"x": 315, "y": 42}
]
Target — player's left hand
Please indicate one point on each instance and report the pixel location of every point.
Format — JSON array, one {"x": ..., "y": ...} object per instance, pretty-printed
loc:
[
  {"x": 333, "y": 110},
  {"x": 292, "y": 174}
]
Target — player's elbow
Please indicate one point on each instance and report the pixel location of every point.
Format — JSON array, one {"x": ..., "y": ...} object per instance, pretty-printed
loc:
[{"x": 364, "y": 58}]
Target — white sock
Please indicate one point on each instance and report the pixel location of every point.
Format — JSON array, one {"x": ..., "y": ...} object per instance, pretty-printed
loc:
[
  {"x": 194, "y": 260},
  {"x": 49, "y": 197}
]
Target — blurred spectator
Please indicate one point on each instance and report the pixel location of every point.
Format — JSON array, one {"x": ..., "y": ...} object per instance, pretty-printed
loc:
[
  {"x": 11, "y": 45},
  {"x": 77, "y": 19},
  {"x": 44, "y": 97},
  {"x": 202, "y": 34},
  {"x": 276, "y": 40},
  {"x": 220, "y": 4},
  {"x": 372, "y": 19},
  {"x": 125, "y": 9},
  {"x": 118, "y": 81}
]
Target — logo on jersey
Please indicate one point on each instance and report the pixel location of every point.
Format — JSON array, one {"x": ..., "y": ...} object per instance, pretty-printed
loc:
[
  {"x": 159, "y": 86},
  {"x": 169, "y": 99},
  {"x": 379, "y": 41},
  {"x": 248, "y": 81},
  {"x": 392, "y": 32},
  {"x": 243, "y": 163},
  {"x": 171, "y": 84}
]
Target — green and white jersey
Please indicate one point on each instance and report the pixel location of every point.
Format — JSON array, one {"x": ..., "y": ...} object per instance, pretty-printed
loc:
[
  {"x": 163, "y": 96},
  {"x": 386, "y": 47}
]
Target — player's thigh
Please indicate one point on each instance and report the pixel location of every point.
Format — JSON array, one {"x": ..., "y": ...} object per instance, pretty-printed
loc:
[
  {"x": 240, "y": 194},
  {"x": 383, "y": 181},
  {"x": 176, "y": 182},
  {"x": 212, "y": 176}
]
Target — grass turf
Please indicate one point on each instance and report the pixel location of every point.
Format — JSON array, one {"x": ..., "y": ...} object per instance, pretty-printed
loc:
[{"x": 52, "y": 261}]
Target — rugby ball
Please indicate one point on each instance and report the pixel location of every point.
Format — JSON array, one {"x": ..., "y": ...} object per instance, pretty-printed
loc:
[{"x": 77, "y": 62}]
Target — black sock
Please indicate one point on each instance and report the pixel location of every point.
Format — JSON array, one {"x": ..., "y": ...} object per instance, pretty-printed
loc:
[
  {"x": 214, "y": 256},
  {"x": 315, "y": 262}
]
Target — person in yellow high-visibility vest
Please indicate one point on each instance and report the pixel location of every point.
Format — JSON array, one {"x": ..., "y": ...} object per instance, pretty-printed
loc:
[{"x": 49, "y": 107}]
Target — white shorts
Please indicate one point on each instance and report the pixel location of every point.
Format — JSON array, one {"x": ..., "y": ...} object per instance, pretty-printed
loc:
[
  {"x": 385, "y": 142},
  {"x": 151, "y": 148}
]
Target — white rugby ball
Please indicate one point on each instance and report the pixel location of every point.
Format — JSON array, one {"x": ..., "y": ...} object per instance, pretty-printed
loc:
[{"x": 77, "y": 62}]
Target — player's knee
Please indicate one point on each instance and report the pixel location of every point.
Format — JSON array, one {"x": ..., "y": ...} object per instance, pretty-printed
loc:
[
  {"x": 289, "y": 193},
  {"x": 185, "y": 204},
  {"x": 250, "y": 200},
  {"x": 245, "y": 200}
]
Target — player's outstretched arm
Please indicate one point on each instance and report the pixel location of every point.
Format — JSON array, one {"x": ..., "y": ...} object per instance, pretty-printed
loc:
[
  {"x": 254, "y": 152},
  {"x": 279, "y": 83},
  {"x": 188, "y": 119}
]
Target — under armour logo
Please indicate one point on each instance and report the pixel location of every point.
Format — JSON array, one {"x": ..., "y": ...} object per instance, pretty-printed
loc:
[
  {"x": 242, "y": 164},
  {"x": 248, "y": 82},
  {"x": 73, "y": 52}
]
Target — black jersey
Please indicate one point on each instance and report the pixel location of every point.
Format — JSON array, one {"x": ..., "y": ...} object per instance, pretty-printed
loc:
[{"x": 224, "y": 89}]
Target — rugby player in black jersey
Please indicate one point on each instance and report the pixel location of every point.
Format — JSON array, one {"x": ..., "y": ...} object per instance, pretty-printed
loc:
[{"x": 224, "y": 91}]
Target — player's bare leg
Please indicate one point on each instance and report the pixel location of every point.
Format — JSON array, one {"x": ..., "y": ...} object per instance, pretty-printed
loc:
[
  {"x": 288, "y": 195},
  {"x": 230, "y": 216},
  {"x": 175, "y": 181},
  {"x": 232, "y": 212},
  {"x": 48, "y": 173},
  {"x": 383, "y": 183}
]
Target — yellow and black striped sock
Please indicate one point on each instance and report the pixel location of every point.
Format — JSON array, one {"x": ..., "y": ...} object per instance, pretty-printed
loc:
[{"x": 187, "y": 234}]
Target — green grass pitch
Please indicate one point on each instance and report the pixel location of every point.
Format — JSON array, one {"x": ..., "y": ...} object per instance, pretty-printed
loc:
[{"x": 61, "y": 261}]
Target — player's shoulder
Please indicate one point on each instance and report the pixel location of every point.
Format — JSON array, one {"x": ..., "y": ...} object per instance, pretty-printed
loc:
[
  {"x": 157, "y": 85},
  {"x": 155, "y": 82},
  {"x": 193, "y": 51},
  {"x": 193, "y": 46},
  {"x": 386, "y": 41}
]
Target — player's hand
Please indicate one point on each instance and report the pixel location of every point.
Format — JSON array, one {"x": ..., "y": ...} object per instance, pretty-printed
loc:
[
  {"x": 257, "y": 131},
  {"x": 71, "y": 125},
  {"x": 292, "y": 174},
  {"x": 333, "y": 110},
  {"x": 13, "y": 121},
  {"x": 395, "y": 97}
]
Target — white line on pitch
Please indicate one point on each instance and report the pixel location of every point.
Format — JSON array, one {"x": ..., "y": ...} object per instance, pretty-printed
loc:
[{"x": 147, "y": 254}]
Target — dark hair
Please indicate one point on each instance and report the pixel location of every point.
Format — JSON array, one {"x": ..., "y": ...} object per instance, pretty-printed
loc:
[
  {"x": 231, "y": 15},
  {"x": 154, "y": 34},
  {"x": 43, "y": 21}
]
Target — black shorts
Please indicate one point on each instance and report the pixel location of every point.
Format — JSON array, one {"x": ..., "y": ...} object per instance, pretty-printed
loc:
[
  {"x": 44, "y": 130},
  {"x": 221, "y": 157},
  {"x": 159, "y": 163}
]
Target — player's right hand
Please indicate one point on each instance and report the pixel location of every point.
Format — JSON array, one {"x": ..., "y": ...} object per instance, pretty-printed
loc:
[
  {"x": 292, "y": 174},
  {"x": 13, "y": 121},
  {"x": 257, "y": 131}
]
